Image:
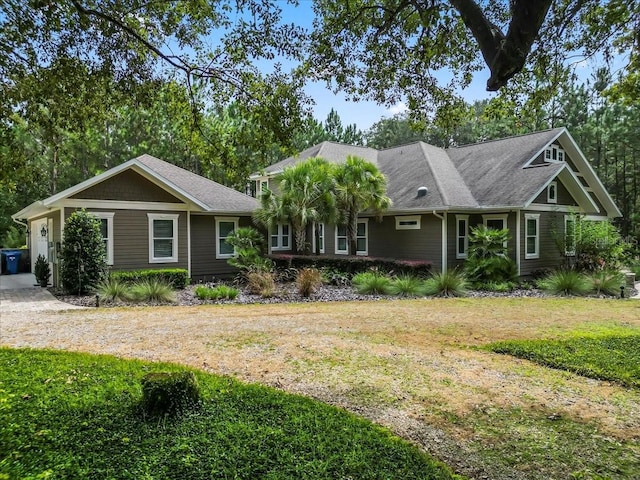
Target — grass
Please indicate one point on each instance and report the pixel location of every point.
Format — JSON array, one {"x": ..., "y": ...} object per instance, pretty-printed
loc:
[
  {"x": 566, "y": 283},
  {"x": 371, "y": 283},
  {"x": 406, "y": 286},
  {"x": 448, "y": 284},
  {"x": 152, "y": 290},
  {"x": 69, "y": 415},
  {"x": 609, "y": 357},
  {"x": 413, "y": 366}
]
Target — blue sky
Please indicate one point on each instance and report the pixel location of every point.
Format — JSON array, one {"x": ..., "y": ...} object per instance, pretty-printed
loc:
[{"x": 363, "y": 113}]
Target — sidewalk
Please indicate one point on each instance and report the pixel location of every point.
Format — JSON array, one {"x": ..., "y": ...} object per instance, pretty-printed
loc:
[{"x": 18, "y": 293}]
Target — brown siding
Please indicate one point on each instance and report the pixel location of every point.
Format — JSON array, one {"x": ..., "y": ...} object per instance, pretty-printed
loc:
[
  {"x": 129, "y": 186},
  {"x": 204, "y": 264},
  {"x": 551, "y": 227},
  {"x": 564, "y": 197},
  {"x": 131, "y": 239},
  {"x": 424, "y": 244}
]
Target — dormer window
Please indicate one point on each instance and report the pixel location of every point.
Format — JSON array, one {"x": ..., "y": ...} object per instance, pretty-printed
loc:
[
  {"x": 552, "y": 192},
  {"x": 554, "y": 153}
]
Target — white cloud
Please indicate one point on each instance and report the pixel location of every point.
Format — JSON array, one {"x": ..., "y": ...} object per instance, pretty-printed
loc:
[{"x": 399, "y": 107}]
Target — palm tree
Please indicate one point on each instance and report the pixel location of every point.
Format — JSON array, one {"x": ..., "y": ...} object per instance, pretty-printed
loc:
[
  {"x": 305, "y": 196},
  {"x": 359, "y": 186}
]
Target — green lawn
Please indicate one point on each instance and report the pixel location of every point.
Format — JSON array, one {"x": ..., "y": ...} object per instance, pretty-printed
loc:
[
  {"x": 68, "y": 415},
  {"x": 606, "y": 357}
]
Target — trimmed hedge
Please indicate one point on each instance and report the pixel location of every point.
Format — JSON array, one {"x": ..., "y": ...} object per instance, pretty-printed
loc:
[
  {"x": 353, "y": 264},
  {"x": 176, "y": 277}
]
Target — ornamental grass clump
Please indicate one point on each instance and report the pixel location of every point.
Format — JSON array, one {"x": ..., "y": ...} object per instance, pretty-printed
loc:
[
  {"x": 606, "y": 282},
  {"x": 406, "y": 286},
  {"x": 449, "y": 284},
  {"x": 566, "y": 283},
  {"x": 308, "y": 280},
  {"x": 261, "y": 283},
  {"x": 371, "y": 283},
  {"x": 114, "y": 290},
  {"x": 153, "y": 291}
]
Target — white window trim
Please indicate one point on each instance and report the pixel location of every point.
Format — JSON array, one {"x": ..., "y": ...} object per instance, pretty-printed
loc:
[
  {"x": 465, "y": 218},
  {"x": 408, "y": 222},
  {"x": 536, "y": 218},
  {"x": 363, "y": 253},
  {"x": 337, "y": 250},
  {"x": 503, "y": 216},
  {"x": 313, "y": 240},
  {"x": 278, "y": 233},
  {"x": 553, "y": 199},
  {"x": 557, "y": 150},
  {"x": 233, "y": 220},
  {"x": 174, "y": 250},
  {"x": 570, "y": 252},
  {"x": 108, "y": 216}
]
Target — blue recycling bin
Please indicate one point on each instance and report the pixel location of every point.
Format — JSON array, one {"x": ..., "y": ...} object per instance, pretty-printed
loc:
[{"x": 12, "y": 260}]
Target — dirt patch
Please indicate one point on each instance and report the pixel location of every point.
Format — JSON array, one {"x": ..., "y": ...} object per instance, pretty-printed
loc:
[{"x": 411, "y": 365}]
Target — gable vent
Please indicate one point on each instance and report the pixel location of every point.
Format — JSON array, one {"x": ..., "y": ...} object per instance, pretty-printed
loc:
[{"x": 422, "y": 191}]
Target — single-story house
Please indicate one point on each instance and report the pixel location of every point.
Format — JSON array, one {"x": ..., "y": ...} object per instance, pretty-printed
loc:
[
  {"x": 157, "y": 215},
  {"x": 531, "y": 184},
  {"x": 153, "y": 215}
]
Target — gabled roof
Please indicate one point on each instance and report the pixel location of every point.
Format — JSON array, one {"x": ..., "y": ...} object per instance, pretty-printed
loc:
[
  {"x": 330, "y": 151},
  {"x": 203, "y": 194},
  {"x": 490, "y": 175}
]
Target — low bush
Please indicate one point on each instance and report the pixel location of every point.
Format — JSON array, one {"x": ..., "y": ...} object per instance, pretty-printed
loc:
[
  {"x": 352, "y": 264},
  {"x": 497, "y": 286},
  {"x": 449, "y": 284},
  {"x": 371, "y": 283},
  {"x": 177, "y": 277},
  {"x": 308, "y": 280},
  {"x": 606, "y": 282},
  {"x": 169, "y": 393},
  {"x": 114, "y": 289},
  {"x": 406, "y": 286},
  {"x": 261, "y": 283},
  {"x": 152, "y": 290},
  {"x": 332, "y": 276},
  {"x": 565, "y": 283},
  {"x": 220, "y": 292}
]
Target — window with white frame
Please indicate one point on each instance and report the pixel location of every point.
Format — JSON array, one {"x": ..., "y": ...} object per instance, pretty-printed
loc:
[
  {"x": 225, "y": 226},
  {"x": 497, "y": 222},
  {"x": 552, "y": 192},
  {"x": 342, "y": 242},
  {"x": 532, "y": 235},
  {"x": 462, "y": 236},
  {"x": 281, "y": 237},
  {"x": 362, "y": 238},
  {"x": 570, "y": 233},
  {"x": 163, "y": 237},
  {"x": 106, "y": 230},
  {"x": 264, "y": 186},
  {"x": 318, "y": 238},
  {"x": 408, "y": 222},
  {"x": 554, "y": 153}
]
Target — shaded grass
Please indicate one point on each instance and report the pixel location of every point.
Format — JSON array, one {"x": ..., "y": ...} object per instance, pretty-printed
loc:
[
  {"x": 609, "y": 357},
  {"x": 68, "y": 415}
]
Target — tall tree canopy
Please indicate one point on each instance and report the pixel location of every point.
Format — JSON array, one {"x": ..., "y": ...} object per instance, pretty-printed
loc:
[{"x": 390, "y": 50}]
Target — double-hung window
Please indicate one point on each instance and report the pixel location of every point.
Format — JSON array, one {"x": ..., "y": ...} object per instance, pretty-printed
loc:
[
  {"x": 224, "y": 227},
  {"x": 532, "y": 236},
  {"x": 570, "y": 235},
  {"x": 462, "y": 236},
  {"x": 497, "y": 222},
  {"x": 163, "y": 237},
  {"x": 362, "y": 238},
  {"x": 281, "y": 237},
  {"x": 318, "y": 238},
  {"x": 106, "y": 230}
]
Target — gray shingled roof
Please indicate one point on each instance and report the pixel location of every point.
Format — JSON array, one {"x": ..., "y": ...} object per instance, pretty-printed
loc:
[
  {"x": 489, "y": 174},
  {"x": 330, "y": 151},
  {"x": 215, "y": 196},
  {"x": 494, "y": 171}
]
